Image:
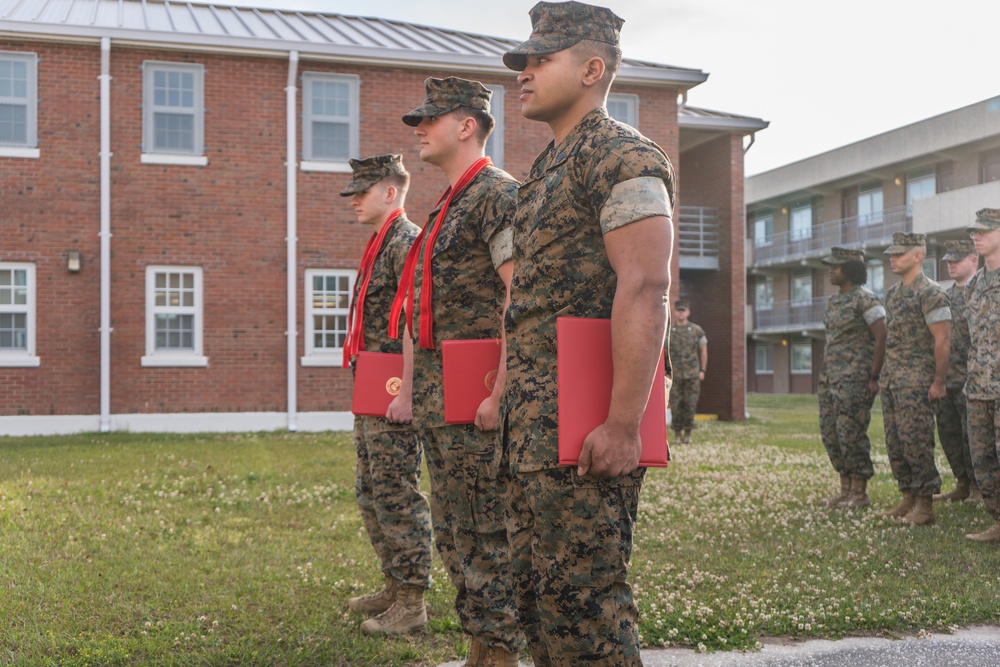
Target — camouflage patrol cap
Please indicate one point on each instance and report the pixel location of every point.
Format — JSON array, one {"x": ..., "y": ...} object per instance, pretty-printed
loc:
[
  {"x": 371, "y": 170},
  {"x": 956, "y": 251},
  {"x": 839, "y": 255},
  {"x": 444, "y": 95},
  {"x": 682, "y": 304},
  {"x": 986, "y": 219},
  {"x": 906, "y": 241},
  {"x": 559, "y": 25}
]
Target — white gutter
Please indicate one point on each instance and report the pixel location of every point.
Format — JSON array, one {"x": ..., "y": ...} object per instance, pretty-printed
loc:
[
  {"x": 291, "y": 165},
  {"x": 105, "y": 234}
]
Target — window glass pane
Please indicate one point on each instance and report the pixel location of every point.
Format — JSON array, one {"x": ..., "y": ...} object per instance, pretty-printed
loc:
[
  {"x": 763, "y": 230},
  {"x": 802, "y": 357},
  {"x": 920, "y": 183},
  {"x": 801, "y": 222},
  {"x": 13, "y": 123},
  {"x": 331, "y": 140},
  {"x": 173, "y": 131},
  {"x": 765, "y": 294},
  {"x": 13, "y": 331},
  {"x": 802, "y": 289},
  {"x": 174, "y": 332},
  {"x": 764, "y": 358},
  {"x": 930, "y": 267}
]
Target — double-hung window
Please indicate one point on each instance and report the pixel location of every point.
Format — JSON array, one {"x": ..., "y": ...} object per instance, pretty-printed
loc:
[
  {"x": 870, "y": 204},
  {"x": 920, "y": 184},
  {"x": 876, "y": 276},
  {"x": 328, "y": 299},
  {"x": 802, "y": 289},
  {"x": 624, "y": 108},
  {"x": 18, "y": 104},
  {"x": 173, "y": 113},
  {"x": 330, "y": 121},
  {"x": 764, "y": 359},
  {"x": 17, "y": 314},
  {"x": 802, "y": 354},
  {"x": 763, "y": 230},
  {"x": 174, "y": 316},
  {"x": 764, "y": 290},
  {"x": 801, "y": 221}
]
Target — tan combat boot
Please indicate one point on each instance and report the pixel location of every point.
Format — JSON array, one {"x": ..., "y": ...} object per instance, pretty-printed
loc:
[
  {"x": 407, "y": 613},
  {"x": 481, "y": 655},
  {"x": 376, "y": 603},
  {"x": 903, "y": 508},
  {"x": 961, "y": 491},
  {"x": 975, "y": 495},
  {"x": 922, "y": 513},
  {"x": 845, "y": 491},
  {"x": 991, "y": 534},
  {"x": 858, "y": 496}
]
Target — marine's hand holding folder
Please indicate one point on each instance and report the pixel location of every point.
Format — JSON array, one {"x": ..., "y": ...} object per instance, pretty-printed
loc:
[
  {"x": 586, "y": 375},
  {"x": 378, "y": 378},
  {"x": 470, "y": 371}
]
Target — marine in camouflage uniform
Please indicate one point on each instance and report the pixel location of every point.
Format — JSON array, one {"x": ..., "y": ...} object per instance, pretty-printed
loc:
[
  {"x": 598, "y": 186},
  {"x": 951, "y": 411},
  {"x": 982, "y": 388},
  {"x": 469, "y": 515},
  {"x": 918, "y": 320},
  {"x": 688, "y": 347},
  {"x": 387, "y": 481},
  {"x": 848, "y": 380}
]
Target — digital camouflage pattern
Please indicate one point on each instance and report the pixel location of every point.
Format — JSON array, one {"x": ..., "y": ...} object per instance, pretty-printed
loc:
[
  {"x": 904, "y": 241},
  {"x": 986, "y": 219},
  {"x": 842, "y": 255},
  {"x": 559, "y": 25},
  {"x": 684, "y": 343},
  {"x": 906, "y": 377},
  {"x": 955, "y": 251},
  {"x": 909, "y": 344},
  {"x": 850, "y": 344},
  {"x": 571, "y": 576},
  {"x": 394, "y": 512},
  {"x": 983, "y": 385},
  {"x": 371, "y": 170},
  {"x": 572, "y": 537},
  {"x": 950, "y": 411},
  {"x": 909, "y": 439},
  {"x": 387, "y": 481},
  {"x": 467, "y": 507},
  {"x": 470, "y": 530},
  {"x": 444, "y": 95},
  {"x": 844, "y": 409},
  {"x": 475, "y": 239},
  {"x": 844, "y": 414},
  {"x": 603, "y": 175}
]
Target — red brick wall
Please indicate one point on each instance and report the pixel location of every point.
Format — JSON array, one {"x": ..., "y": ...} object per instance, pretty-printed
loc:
[
  {"x": 228, "y": 218},
  {"x": 713, "y": 176}
]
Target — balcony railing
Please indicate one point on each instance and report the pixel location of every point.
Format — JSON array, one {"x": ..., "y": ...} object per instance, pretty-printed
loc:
[
  {"x": 872, "y": 229},
  {"x": 698, "y": 237},
  {"x": 791, "y": 315}
]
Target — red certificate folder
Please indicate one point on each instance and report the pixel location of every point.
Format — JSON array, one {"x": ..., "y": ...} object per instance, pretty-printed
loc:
[
  {"x": 470, "y": 371},
  {"x": 586, "y": 372},
  {"x": 377, "y": 379}
]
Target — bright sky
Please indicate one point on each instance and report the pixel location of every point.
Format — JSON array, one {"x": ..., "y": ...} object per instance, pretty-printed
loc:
[{"x": 824, "y": 74}]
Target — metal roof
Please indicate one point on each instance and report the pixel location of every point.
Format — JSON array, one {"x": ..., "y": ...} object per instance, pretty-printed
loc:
[
  {"x": 223, "y": 27},
  {"x": 696, "y": 117}
]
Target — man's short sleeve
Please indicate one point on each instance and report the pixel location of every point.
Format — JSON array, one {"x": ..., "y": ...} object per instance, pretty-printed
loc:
[
  {"x": 631, "y": 179},
  {"x": 497, "y": 229}
]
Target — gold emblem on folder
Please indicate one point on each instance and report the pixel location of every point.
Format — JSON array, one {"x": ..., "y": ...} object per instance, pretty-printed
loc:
[{"x": 393, "y": 386}]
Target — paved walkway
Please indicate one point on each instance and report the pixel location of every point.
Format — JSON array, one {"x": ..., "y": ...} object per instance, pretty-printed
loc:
[{"x": 977, "y": 646}]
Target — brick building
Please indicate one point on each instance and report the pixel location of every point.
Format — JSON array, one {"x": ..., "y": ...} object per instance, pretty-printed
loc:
[
  {"x": 149, "y": 211},
  {"x": 929, "y": 177}
]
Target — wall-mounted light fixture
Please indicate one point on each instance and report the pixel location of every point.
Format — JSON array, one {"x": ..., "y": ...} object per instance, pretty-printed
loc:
[{"x": 73, "y": 261}]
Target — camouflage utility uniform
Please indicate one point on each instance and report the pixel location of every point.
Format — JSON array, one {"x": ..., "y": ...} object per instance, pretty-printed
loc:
[
  {"x": 907, "y": 377},
  {"x": 469, "y": 515},
  {"x": 573, "y": 535},
  {"x": 844, "y": 408},
  {"x": 387, "y": 483},
  {"x": 983, "y": 386},
  {"x": 951, "y": 411},
  {"x": 684, "y": 343}
]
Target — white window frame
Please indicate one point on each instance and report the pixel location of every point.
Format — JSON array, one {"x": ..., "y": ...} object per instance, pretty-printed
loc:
[
  {"x": 876, "y": 267},
  {"x": 311, "y": 162},
  {"x": 167, "y": 357},
  {"x": 798, "y": 280},
  {"x": 867, "y": 195},
  {"x": 631, "y": 103},
  {"x": 792, "y": 358},
  {"x": 319, "y": 356},
  {"x": 800, "y": 233},
  {"x": 28, "y": 148},
  {"x": 26, "y": 357},
  {"x": 767, "y": 357},
  {"x": 767, "y": 238},
  {"x": 762, "y": 282},
  {"x": 919, "y": 176},
  {"x": 495, "y": 142},
  {"x": 151, "y": 154}
]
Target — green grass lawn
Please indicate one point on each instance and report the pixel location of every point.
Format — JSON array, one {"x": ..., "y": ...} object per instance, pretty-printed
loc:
[{"x": 133, "y": 549}]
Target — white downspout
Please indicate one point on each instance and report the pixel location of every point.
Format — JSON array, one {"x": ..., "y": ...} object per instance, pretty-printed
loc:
[
  {"x": 105, "y": 234},
  {"x": 291, "y": 166}
]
